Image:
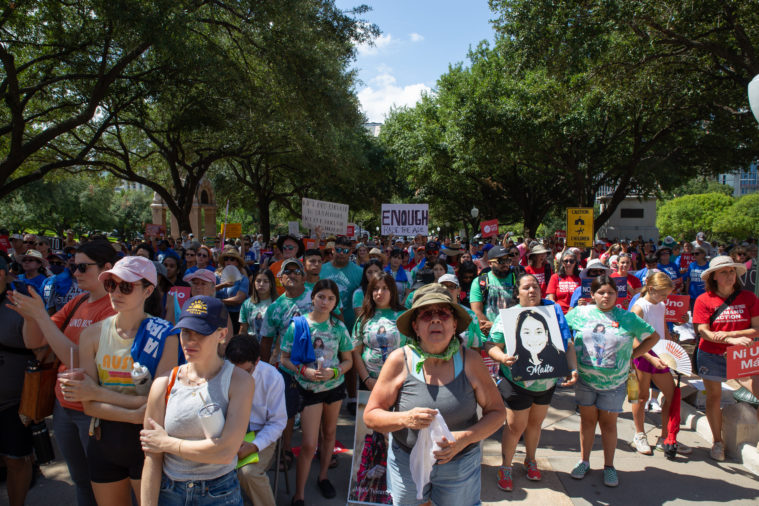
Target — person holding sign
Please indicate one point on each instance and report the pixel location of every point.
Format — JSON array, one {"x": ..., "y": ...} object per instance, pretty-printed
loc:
[
  {"x": 725, "y": 315},
  {"x": 651, "y": 308},
  {"x": 527, "y": 400},
  {"x": 606, "y": 338}
]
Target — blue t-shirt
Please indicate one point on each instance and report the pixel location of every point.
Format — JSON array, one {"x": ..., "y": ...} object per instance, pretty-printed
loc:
[
  {"x": 696, "y": 286},
  {"x": 195, "y": 268},
  {"x": 37, "y": 282},
  {"x": 347, "y": 278},
  {"x": 241, "y": 285},
  {"x": 671, "y": 270}
]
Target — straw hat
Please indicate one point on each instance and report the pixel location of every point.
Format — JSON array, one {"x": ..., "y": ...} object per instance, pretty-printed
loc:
[
  {"x": 430, "y": 295},
  {"x": 721, "y": 262},
  {"x": 592, "y": 265},
  {"x": 232, "y": 253},
  {"x": 538, "y": 249},
  {"x": 34, "y": 255}
]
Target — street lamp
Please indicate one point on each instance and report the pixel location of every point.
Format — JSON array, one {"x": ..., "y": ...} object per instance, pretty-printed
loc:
[
  {"x": 475, "y": 212},
  {"x": 753, "y": 96}
]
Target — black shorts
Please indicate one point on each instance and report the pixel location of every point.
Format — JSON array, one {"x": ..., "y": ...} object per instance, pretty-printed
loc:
[
  {"x": 117, "y": 454},
  {"x": 309, "y": 398},
  {"x": 292, "y": 394},
  {"x": 15, "y": 437},
  {"x": 518, "y": 398}
]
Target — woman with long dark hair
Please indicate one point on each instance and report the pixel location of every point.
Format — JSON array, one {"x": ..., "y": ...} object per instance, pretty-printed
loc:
[
  {"x": 371, "y": 268},
  {"x": 563, "y": 284},
  {"x": 254, "y": 308}
]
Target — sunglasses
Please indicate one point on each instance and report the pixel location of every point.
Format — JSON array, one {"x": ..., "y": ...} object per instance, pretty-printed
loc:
[
  {"x": 513, "y": 255},
  {"x": 83, "y": 266},
  {"x": 292, "y": 272},
  {"x": 594, "y": 274},
  {"x": 439, "y": 314},
  {"x": 56, "y": 263},
  {"x": 344, "y": 251},
  {"x": 568, "y": 261},
  {"x": 288, "y": 247},
  {"x": 124, "y": 287},
  {"x": 30, "y": 242},
  {"x": 202, "y": 255}
]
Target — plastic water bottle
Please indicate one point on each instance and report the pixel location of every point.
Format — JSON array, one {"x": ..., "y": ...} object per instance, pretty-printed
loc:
[
  {"x": 141, "y": 379},
  {"x": 633, "y": 389}
]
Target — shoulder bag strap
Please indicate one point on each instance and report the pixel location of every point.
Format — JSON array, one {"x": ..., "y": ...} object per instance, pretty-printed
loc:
[
  {"x": 722, "y": 307},
  {"x": 172, "y": 379}
]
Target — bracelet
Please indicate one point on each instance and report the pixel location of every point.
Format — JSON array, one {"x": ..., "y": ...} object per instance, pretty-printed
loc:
[
  {"x": 302, "y": 370},
  {"x": 336, "y": 372}
]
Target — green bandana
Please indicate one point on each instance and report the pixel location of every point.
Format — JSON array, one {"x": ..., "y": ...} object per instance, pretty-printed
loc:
[{"x": 453, "y": 347}]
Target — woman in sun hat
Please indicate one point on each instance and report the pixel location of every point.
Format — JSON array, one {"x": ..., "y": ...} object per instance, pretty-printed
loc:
[
  {"x": 233, "y": 292},
  {"x": 434, "y": 374},
  {"x": 34, "y": 266},
  {"x": 538, "y": 267},
  {"x": 725, "y": 315}
]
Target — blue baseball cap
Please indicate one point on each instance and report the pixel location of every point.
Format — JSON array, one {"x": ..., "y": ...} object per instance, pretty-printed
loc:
[{"x": 203, "y": 314}]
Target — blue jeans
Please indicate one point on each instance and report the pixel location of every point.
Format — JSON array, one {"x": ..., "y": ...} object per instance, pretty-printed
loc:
[
  {"x": 456, "y": 482},
  {"x": 71, "y": 430},
  {"x": 222, "y": 490},
  {"x": 607, "y": 400}
]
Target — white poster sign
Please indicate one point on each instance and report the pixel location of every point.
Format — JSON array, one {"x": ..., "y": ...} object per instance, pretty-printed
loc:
[
  {"x": 405, "y": 219},
  {"x": 532, "y": 335},
  {"x": 293, "y": 228},
  {"x": 330, "y": 216}
]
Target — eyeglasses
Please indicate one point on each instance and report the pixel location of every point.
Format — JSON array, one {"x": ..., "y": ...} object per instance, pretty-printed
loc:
[
  {"x": 292, "y": 272},
  {"x": 513, "y": 255},
  {"x": 344, "y": 251},
  {"x": 30, "y": 242},
  {"x": 124, "y": 287},
  {"x": 56, "y": 263},
  {"x": 440, "y": 314},
  {"x": 83, "y": 266},
  {"x": 501, "y": 260},
  {"x": 25, "y": 260}
]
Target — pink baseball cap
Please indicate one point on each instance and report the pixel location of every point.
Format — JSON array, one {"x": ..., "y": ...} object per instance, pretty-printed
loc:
[
  {"x": 132, "y": 269},
  {"x": 204, "y": 274}
]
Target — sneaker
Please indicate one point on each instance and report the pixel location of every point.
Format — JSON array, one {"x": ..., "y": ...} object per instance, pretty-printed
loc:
[
  {"x": 653, "y": 406},
  {"x": 610, "y": 476},
  {"x": 580, "y": 470},
  {"x": 297, "y": 502},
  {"x": 717, "y": 452},
  {"x": 682, "y": 448},
  {"x": 640, "y": 442},
  {"x": 504, "y": 479},
  {"x": 533, "y": 473}
]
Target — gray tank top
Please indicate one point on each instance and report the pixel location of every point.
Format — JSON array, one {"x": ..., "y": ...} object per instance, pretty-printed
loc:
[
  {"x": 182, "y": 421},
  {"x": 455, "y": 402}
]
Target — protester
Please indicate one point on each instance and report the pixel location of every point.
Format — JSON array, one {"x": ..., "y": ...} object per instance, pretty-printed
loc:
[
  {"x": 34, "y": 266},
  {"x": 473, "y": 338},
  {"x": 233, "y": 292},
  {"x": 290, "y": 247},
  {"x": 694, "y": 285},
  {"x": 254, "y": 308},
  {"x": 371, "y": 268},
  {"x": 725, "y": 315},
  {"x": 181, "y": 448},
  {"x": 526, "y": 402},
  {"x": 495, "y": 289},
  {"x": 320, "y": 381},
  {"x": 606, "y": 338},
  {"x": 59, "y": 289},
  {"x": 563, "y": 284},
  {"x": 146, "y": 250},
  {"x": 432, "y": 375},
  {"x": 362, "y": 255},
  {"x": 190, "y": 260},
  {"x": 539, "y": 267},
  {"x": 203, "y": 260},
  {"x": 401, "y": 276},
  {"x": 312, "y": 262}
]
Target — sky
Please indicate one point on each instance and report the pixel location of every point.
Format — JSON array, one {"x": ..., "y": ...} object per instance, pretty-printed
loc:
[{"x": 419, "y": 39}]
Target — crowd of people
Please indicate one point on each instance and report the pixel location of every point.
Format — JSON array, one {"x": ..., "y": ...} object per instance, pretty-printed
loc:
[{"x": 183, "y": 366}]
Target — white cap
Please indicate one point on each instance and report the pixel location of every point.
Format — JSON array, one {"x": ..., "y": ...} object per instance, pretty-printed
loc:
[{"x": 448, "y": 278}]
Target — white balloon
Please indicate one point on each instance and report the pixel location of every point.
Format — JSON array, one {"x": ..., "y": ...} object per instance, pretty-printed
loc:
[{"x": 753, "y": 96}]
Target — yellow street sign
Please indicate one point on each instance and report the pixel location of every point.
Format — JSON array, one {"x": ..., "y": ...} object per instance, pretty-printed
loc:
[{"x": 580, "y": 226}]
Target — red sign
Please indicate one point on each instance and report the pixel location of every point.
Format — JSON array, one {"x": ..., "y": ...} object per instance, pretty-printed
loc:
[
  {"x": 351, "y": 231},
  {"x": 561, "y": 234},
  {"x": 676, "y": 307},
  {"x": 182, "y": 294},
  {"x": 310, "y": 243},
  {"x": 489, "y": 228},
  {"x": 742, "y": 361},
  {"x": 5, "y": 244},
  {"x": 153, "y": 230}
]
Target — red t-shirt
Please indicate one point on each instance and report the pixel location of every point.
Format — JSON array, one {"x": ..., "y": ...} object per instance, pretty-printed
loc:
[
  {"x": 86, "y": 314},
  {"x": 737, "y": 316},
  {"x": 540, "y": 274},
  {"x": 562, "y": 288}
]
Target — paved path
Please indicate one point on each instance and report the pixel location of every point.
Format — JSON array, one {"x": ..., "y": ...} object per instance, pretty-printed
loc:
[{"x": 643, "y": 479}]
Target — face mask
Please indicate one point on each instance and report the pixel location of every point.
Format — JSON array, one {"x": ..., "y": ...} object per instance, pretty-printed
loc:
[{"x": 57, "y": 269}]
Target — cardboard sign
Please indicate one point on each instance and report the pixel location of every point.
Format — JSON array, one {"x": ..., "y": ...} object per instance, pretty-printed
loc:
[
  {"x": 182, "y": 294},
  {"x": 742, "y": 361},
  {"x": 155, "y": 230},
  {"x": 405, "y": 219},
  {"x": 293, "y": 228},
  {"x": 620, "y": 282},
  {"x": 310, "y": 244},
  {"x": 233, "y": 230},
  {"x": 489, "y": 228},
  {"x": 676, "y": 306},
  {"x": 580, "y": 226},
  {"x": 330, "y": 216}
]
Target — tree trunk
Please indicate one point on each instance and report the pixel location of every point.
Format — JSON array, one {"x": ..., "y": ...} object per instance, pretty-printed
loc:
[{"x": 264, "y": 217}]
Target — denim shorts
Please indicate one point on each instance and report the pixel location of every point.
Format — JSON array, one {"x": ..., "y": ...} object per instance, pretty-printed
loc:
[
  {"x": 711, "y": 366},
  {"x": 607, "y": 400},
  {"x": 222, "y": 490},
  {"x": 456, "y": 482}
]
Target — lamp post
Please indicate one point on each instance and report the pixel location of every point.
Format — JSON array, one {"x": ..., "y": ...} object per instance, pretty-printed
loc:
[
  {"x": 753, "y": 96},
  {"x": 475, "y": 212}
]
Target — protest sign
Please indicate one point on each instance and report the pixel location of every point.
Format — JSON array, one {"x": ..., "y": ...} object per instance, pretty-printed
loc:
[
  {"x": 532, "y": 335},
  {"x": 620, "y": 282},
  {"x": 233, "y": 230},
  {"x": 561, "y": 234},
  {"x": 742, "y": 361},
  {"x": 182, "y": 294},
  {"x": 351, "y": 232},
  {"x": 293, "y": 228},
  {"x": 330, "y": 216},
  {"x": 367, "y": 485},
  {"x": 405, "y": 219},
  {"x": 580, "y": 226},
  {"x": 154, "y": 230},
  {"x": 489, "y": 228},
  {"x": 676, "y": 306}
]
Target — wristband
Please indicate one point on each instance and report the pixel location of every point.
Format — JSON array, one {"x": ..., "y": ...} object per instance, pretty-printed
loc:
[
  {"x": 336, "y": 372},
  {"x": 302, "y": 370}
]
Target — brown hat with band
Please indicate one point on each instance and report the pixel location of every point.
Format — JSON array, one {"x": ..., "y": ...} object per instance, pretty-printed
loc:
[{"x": 429, "y": 295}]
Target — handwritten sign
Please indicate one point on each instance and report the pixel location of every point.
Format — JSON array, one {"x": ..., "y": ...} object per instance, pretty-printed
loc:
[
  {"x": 330, "y": 216},
  {"x": 405, "y": 219},
  {"x": 676, "y": 306},
  {"x": 489, "y": 228},
  {"x": 182, "y": 294},
  {"x": 580, "y": 226},
  {"x": 233, "y": 230},
  {"x": 154, "y": 230},
  {"x": 561, "y": 234},
  {"x": 620, "y": 282},
  {"x": 742, "y": 361}
]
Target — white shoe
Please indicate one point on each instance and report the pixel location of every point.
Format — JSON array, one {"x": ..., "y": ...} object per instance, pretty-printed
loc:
[
  {"x": 653, "y": 406},
  {"x": 640, "y": 442},
  {"x": 717, "y": 452}
]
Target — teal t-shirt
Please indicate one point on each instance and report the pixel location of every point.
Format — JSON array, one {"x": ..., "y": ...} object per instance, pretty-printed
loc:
[
  {"x": 473, "y": 336},
  {"x": 253, "y": 314},
  {"x": 278, "y": 316},
  {"x": 501, "y": 293},
  {"x": 329, "y": 338},
  {"x": 358, "y": 297},
  {"x": 347, "y": 278},
  {"x": 379, "y": 336},
  {"x": 409, "y": 299},
  {"x": 604, "y": 344}
]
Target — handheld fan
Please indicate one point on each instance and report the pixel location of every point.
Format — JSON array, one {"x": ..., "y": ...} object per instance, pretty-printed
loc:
[{"x": 674, "y": 356}]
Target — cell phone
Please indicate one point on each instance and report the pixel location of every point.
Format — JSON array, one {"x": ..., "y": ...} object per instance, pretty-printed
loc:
[{"x": 21, "y": 288}]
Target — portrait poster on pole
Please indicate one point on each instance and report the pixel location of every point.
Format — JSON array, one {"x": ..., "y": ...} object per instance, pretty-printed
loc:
[
  {"x": 532, "y": 334},
  {"x": 368, "y": 484},
  {"x": 332, "y": 217}
]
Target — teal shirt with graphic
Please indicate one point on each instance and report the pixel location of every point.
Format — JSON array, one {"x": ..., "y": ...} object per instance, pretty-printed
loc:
[
  {"x": 604, "y": 344},
  {"x": 409, "y": 299},
  {"x": 501, "y": 293},
  {"x": 278, "y": 316},
  {"x": 473, "y": 336},
  {"x": 253, "y": 314},
  {"x": 329, "y": 338},
  {"x": 358, "y": 298},
  {"x": 347, "y": 278},
  {"x": 379, "y": 336}
]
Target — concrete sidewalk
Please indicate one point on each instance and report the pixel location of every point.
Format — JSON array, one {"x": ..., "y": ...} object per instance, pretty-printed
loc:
[{"x": 643, "y": 479}]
